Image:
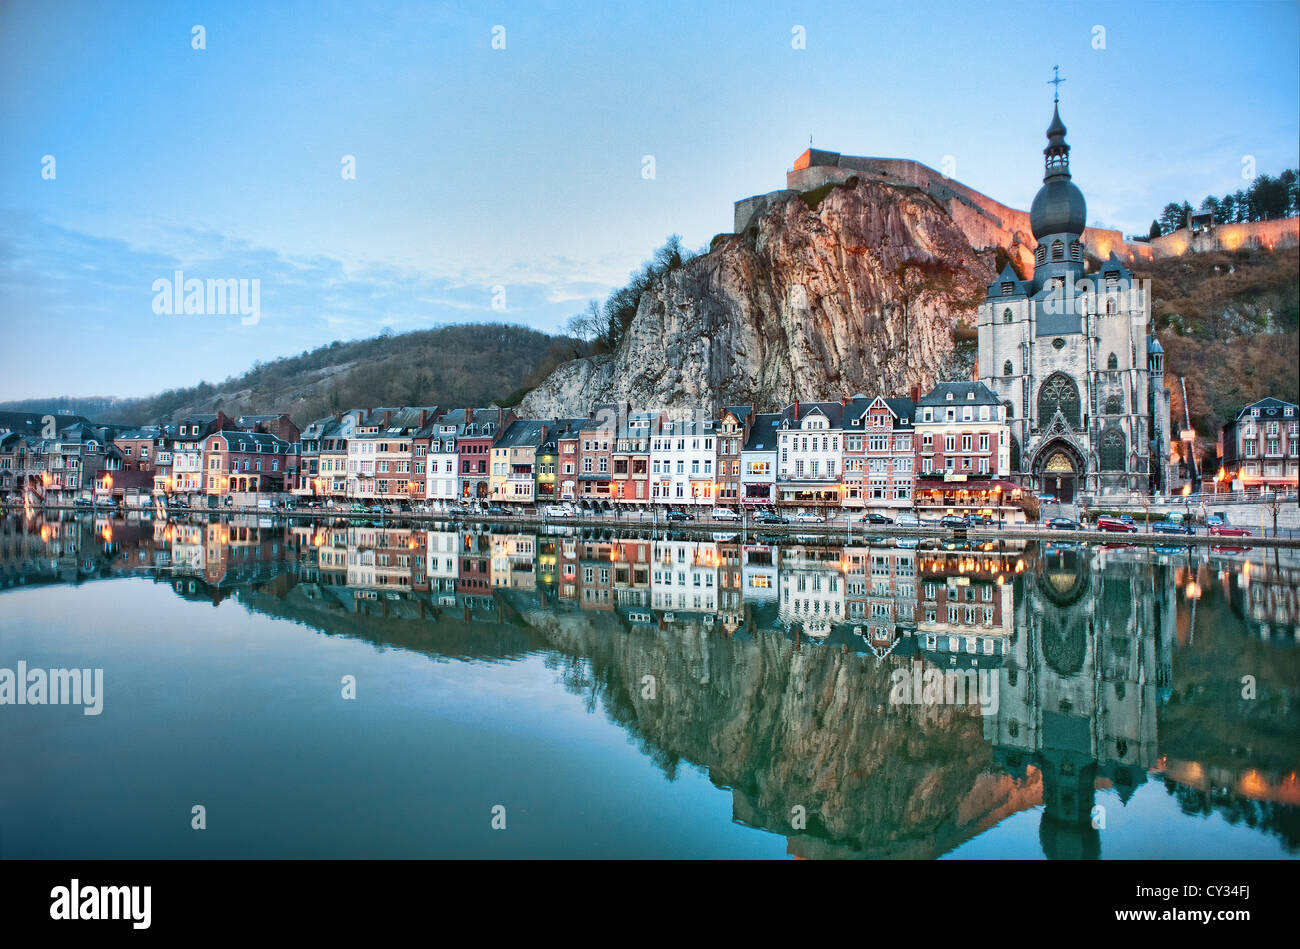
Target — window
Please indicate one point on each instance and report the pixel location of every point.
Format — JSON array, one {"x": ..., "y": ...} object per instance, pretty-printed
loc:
[
  {"x": 1058, "y": 250},
  {"x": 1007, "y": 368},
  {"x": 1112, "y": 361},
  {"x": 1113, "y": 450},
  {"x": 1058, "y": 392}
]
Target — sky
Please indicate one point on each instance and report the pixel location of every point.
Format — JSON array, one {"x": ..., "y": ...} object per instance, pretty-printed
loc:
[{"x": 512, "y": 161}]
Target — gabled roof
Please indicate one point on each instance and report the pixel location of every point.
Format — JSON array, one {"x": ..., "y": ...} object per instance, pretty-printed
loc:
[
  {"x": 1019, "y": 288},
  {"x": 833, "y": 412}
]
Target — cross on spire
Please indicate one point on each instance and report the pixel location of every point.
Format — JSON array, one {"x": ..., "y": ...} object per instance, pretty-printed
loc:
[{"x": 1056, "y": 81}]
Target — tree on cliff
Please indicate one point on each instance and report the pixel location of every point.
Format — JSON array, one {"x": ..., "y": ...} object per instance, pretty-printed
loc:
[{"x": 604, "y": 327}]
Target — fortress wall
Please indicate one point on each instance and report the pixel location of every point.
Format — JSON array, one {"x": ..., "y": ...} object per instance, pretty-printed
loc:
[
  {"x": 989, "y": 223},
  {"x": 1228, "y": 237}
]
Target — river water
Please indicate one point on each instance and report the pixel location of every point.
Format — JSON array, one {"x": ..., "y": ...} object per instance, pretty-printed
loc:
[{"x": 308, "y": 690}]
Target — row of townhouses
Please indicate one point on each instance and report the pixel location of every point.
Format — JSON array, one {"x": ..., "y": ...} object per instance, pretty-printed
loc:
[{"x": 949, "y": 449}]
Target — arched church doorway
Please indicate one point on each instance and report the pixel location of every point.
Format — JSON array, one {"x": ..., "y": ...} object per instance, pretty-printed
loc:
[{"x": 1059, "y": 472}]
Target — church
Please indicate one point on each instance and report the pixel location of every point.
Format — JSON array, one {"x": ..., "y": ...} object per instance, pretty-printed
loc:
[{"x": 1071, "y": 357}]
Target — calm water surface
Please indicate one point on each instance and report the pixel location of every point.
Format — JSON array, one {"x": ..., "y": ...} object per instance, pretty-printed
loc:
[{"x": 651, "y": 695}]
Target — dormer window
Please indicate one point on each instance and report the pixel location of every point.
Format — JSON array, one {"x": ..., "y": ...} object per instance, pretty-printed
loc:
[
  {"x": 970, "y": 396},
  {"x": 949, "y": 396},
  {"x": 1058, "y": 250},
  {"x": 1112, "y": 278},
  {"x": 1040, "y": 255},
  {"x": 1076, "y": 250},
  {"x": 1008, "y": 287}
]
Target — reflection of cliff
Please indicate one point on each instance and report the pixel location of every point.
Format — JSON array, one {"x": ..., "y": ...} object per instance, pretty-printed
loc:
[{"x": 784, "y": 726}]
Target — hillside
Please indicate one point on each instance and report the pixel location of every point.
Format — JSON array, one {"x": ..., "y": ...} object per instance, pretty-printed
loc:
[
  {"x": 456, "y": 366},
  {"x": 1229, "y": 323}
]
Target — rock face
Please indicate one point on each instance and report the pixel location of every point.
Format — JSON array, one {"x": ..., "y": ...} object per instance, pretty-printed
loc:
[{"x": 859, "y": 294}]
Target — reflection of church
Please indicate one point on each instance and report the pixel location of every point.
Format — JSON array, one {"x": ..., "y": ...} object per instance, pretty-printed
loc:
[
  {"x": 1069, "y": 356},
  {"x": 1079, "y": 692}
]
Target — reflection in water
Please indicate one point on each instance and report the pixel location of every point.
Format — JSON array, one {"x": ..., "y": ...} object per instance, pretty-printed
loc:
[{"x": 769, "y": 659}]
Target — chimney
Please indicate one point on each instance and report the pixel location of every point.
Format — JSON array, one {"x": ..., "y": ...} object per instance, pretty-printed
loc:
[
  {"x": 424, "y": 417},
  {"x": 796, "y": 410},
  {"x": 916, "y": 392}
]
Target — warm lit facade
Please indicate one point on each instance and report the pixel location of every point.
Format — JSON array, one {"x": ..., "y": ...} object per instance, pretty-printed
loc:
[{"x": 1260, "y": 448}]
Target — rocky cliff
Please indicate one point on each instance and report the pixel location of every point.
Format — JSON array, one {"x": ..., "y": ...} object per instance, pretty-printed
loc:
[{"x": 851, "y": 288}]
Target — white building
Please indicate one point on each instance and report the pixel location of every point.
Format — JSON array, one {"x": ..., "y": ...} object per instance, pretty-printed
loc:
[{"x": 682, "y": 459}]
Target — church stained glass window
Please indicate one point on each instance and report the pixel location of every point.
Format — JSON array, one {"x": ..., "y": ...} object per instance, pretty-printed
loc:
[
  {"x": 1113, "y": 450},
  {"x": 1112, "y": 361},
  {"x": 1006, "y": 315},
  {"x": 1058, "y": 392},
  {"x": 1007, "y": 368},
  {"x": 1114, "y": 405}
]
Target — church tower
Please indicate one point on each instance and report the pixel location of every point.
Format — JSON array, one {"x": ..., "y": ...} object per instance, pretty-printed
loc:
[{"x": 1067, "y": 352}]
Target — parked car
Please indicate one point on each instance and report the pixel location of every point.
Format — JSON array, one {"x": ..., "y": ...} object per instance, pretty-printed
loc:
[
  {"x": 875, "y": 517},
  {"x": 808, "y": 517},
  {"x": 908, "y": 519},
  {"x": 676, "y": 516},
  {"x": 1116, "y": 525},
  {"x": 377, "y": 509},
  {"x": 769, "y": 517},
  {"x": 952, "y": 521},
  {"x": 495, "y": 510},
  {"x": 1047, "y": 499},
  {"x": 724, "y": 514},
  {"x": 1213, "y": 520},
  {"x": 1224, "y": 530},
  {"x": 557, "y": 510},
  {"x": 978, "y": 520},
  {"x": 1170, "y": 527},
  {"x": 1062, "y": 524}
]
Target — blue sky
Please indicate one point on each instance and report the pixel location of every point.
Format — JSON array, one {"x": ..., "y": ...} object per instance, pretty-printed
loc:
[{"x": 522, "y": 167}]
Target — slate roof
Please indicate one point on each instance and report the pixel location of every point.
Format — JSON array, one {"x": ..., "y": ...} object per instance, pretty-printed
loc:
[
  {"x": 762, "y": 436},
  {"x": 1269, "y": 407},
  {"x": 961, "y": 392}
]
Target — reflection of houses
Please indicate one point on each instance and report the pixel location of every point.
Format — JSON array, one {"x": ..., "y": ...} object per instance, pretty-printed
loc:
[
  {"x": 1266, "y": 598},
  {"x": 812, "y": 589},
  {"x": 512, "y": 561},
  {"x": 1079, "y": 690},
  {"x": 881, "y": 594},
  {"x": 965, "y": 611},
  {"x": 758, "y": 572},
  {"x": 683, "y": 576}
]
